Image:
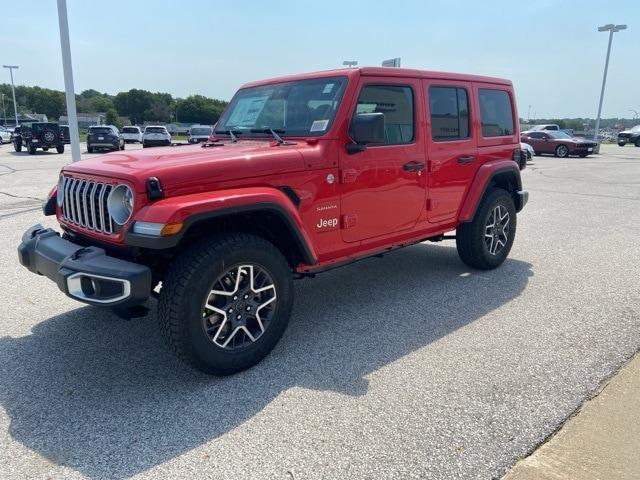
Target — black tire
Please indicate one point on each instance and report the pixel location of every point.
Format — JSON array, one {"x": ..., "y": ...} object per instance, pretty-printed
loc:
[
  {"x": 45, "y": 149},
  {"x": 89, "y": 149},
  {"x": 637, "y": 144},
  {"x": 582, "y": 155},
  {"x": 562, "y": 151},
  {"x": 189, "y": 283},
  {"x": 17, "y": 146},
  {"x": 470, "y": 236},
  {"x": 60, "y": 149},
  {"x": 31, "y": 149},
  {"x": 122, "y": 147},
  {"x": 621, "y": 144},
  {"x": 144, "y": 145}
]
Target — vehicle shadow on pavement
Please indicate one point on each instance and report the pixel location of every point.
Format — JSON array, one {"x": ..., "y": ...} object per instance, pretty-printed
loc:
[{"x": 104, "y": 396}]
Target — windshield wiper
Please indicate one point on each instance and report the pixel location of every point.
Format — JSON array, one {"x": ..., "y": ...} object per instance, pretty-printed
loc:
[
  {"x": 274, "y": 132},
  {"x": 232, "y": 134}
]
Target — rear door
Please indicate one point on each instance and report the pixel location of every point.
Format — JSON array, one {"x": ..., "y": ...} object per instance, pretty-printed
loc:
[
  {"x": 451, "y": 147},
  {"x": 383, "y": 187}
]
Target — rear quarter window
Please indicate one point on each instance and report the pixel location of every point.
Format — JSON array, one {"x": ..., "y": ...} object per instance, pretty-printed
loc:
[{"x": 496, "y": 113}]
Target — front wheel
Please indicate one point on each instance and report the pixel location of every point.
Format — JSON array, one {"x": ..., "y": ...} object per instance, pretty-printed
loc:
[
  {"x": 60, "y": 149},
  {"x": 562, "y": 151},
  {"x": 637, "y": 142},
  {"x": 485, "y": 242},
  {"x": 17, "y": 146},
  {"x": 621, "y": 144},
  {"x": 225, "y": 302},
  {"x": 31, "y": 149}
]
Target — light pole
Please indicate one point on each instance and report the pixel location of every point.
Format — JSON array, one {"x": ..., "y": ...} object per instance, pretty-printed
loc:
[
  {"x": 4, "y": 112},
  {"x": 13, "y": 90},
  {"x": 611, "y": 28},
  {"x": 68, "y": 80}
]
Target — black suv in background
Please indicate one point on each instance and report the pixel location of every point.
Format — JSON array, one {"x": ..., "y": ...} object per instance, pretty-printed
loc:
[
  {"x": 44, "y": 135},
  {"x": 632, "y": 135},
  {"x": 104, "y": 137}
]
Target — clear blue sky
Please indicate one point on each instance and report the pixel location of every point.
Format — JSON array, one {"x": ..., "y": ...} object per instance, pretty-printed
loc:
[{"x": 551, "y": 50}]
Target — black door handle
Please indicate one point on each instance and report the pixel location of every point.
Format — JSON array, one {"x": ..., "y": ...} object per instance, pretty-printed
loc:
[
  {"x": 462, "y": 159},
  {"x": 413, "y": 166}
]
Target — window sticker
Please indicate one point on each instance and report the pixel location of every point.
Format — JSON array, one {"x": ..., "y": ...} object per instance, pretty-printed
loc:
[
  {"x": 319, "y": 125},
  {"x": 327, "y": 88},
  {"x": 247, "y": 110}
]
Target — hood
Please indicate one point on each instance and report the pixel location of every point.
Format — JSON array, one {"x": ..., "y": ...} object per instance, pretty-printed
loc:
[{"x": 193, "y": 165}]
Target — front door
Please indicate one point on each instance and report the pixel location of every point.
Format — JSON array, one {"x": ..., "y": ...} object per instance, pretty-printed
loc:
[
  {"x": 452, "y": 147},
  {"x": 383, "y": 188}
]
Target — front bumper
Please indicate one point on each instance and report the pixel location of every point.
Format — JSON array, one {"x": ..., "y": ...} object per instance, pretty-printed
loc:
[{"x": 86, "y": 274}]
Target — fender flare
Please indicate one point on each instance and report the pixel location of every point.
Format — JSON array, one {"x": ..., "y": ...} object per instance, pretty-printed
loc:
[
  {"x": 194, "y": 208},
  {"x": 481, "y": 182}
]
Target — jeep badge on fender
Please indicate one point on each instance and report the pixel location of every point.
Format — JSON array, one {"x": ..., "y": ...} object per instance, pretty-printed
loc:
[{"x": 355, "y": 164}]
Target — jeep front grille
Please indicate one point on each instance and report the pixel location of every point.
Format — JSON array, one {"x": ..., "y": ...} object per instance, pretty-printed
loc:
[{"x": 85, "y": 204}]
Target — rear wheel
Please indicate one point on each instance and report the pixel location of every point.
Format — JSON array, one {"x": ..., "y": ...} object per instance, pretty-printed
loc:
[
  {"x": 31, "y": 149},
  {"x": 621, "y": 144},
  {"x": 485, "y": 242},
  {"x": 89, "y": 149},
  {"x": 60, "y": 149},
  {"x": 17, "y": 146},
  {"x": 637, "y": 142},
  {"x": 562, "y": 151},
  {"x": 226, "y": 302}
]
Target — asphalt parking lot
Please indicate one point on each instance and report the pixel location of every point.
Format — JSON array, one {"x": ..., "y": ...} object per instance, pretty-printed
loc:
[{"x": 408, "y": 366}]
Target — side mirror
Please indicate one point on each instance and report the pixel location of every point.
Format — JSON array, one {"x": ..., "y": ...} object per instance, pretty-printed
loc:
[{"x": 366, "y": 128}]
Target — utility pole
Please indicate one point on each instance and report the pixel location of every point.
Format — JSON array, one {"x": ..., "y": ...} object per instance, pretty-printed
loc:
[
  {"x": 13, "y": 90},
  {"x": 4, "y": 112},
  {"x": 68, "y": 80},
  {"x": 611, "y": 28}
]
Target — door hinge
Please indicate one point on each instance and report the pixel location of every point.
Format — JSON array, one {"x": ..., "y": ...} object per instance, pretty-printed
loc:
[{"x": 349, "y": 220}]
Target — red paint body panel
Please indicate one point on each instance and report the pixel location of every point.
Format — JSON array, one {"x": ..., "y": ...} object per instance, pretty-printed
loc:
[{"x": 350, "y": 205}]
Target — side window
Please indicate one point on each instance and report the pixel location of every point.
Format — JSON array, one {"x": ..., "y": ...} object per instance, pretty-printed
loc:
[
  {"x": 449, "y": 111},
  {"x": 496, "y": 115},
  {"x": 396, "y": 103},
  {"x": 536, "y": 135}
]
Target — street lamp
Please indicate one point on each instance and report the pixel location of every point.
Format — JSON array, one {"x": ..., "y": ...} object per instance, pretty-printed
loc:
[
  {"x": 611, "y": 28},
  {"x": 350, "y": 63},
  {"x": 13, "y": 90}
]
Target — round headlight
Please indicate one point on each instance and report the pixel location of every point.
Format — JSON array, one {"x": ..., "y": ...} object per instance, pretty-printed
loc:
[{"x": 120, "y": 204}]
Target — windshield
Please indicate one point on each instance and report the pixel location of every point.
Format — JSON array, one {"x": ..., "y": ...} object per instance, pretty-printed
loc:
[
  {"x": 100, "y": 130},
  {"x": 130, "y": 130},
  {"x": 155, "y": 130},
  {"x": 559, "y": 134},
  {"x": 200, "y": 131},
  {"x": 298, "y": 108}
]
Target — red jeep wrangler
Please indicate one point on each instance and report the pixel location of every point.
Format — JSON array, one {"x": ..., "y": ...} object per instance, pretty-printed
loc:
[{"x": 302, "y": 174}]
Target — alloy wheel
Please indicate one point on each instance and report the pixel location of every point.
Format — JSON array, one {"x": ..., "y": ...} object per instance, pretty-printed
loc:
[
  {"x": 239, "y": 307},
  {"x": 562, "y": 151},
  {"x": 496, "y": 230}
]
